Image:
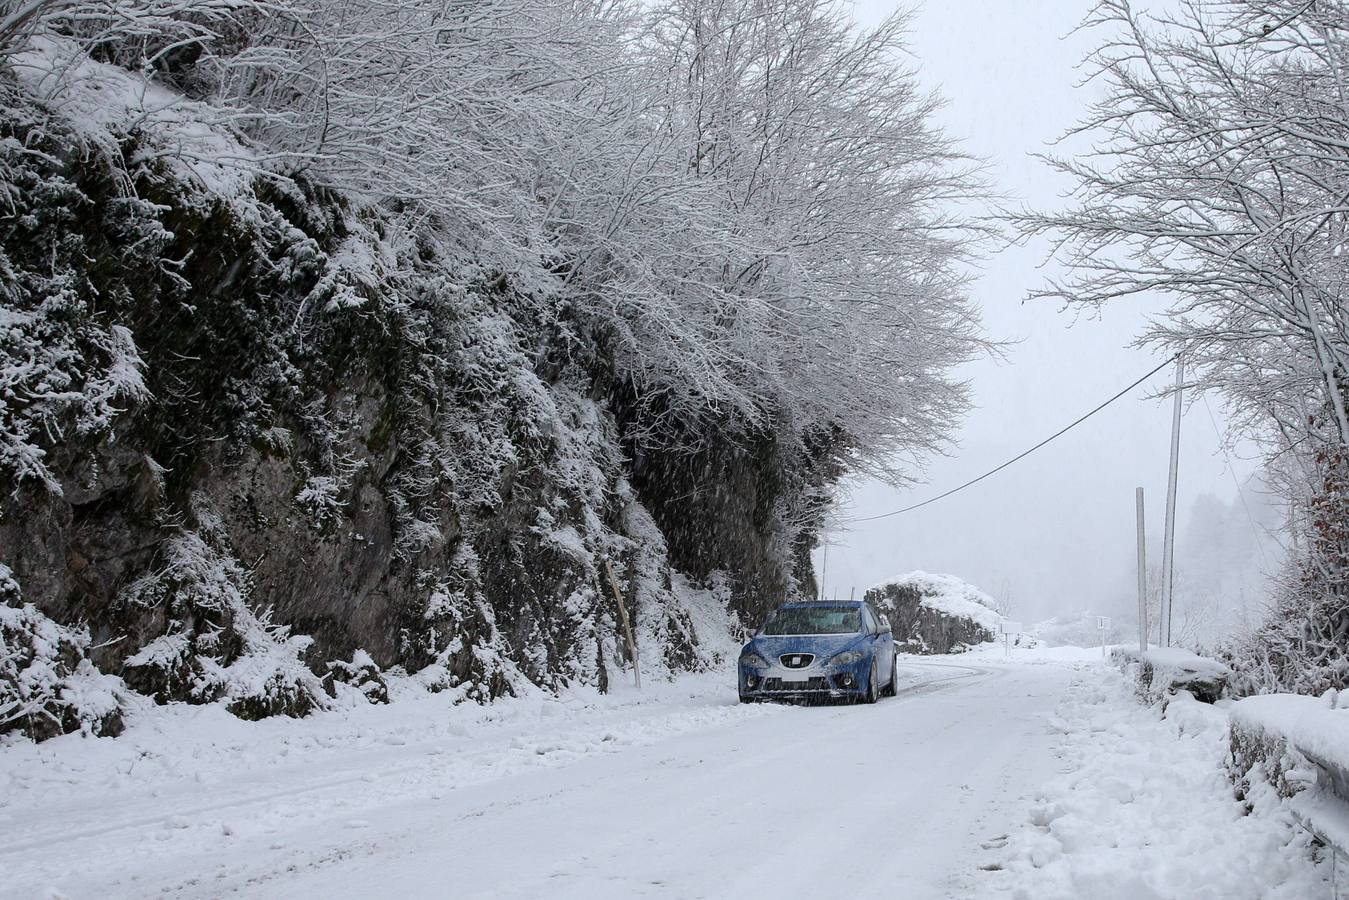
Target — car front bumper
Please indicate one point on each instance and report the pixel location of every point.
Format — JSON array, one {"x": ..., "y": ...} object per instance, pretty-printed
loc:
[{"x": 817, "y": 682}]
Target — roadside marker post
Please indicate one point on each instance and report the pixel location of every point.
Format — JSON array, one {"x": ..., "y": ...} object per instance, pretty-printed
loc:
[
  {"x": 1103, "y": 623},
  {"x": 627, "y": 625},
  {"x": 1009, "y": 629}
]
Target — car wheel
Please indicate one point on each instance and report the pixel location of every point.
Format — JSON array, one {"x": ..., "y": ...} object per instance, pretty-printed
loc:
[
  {"x": 892, "y": 688},
  {"x": 871, "y": 694}
]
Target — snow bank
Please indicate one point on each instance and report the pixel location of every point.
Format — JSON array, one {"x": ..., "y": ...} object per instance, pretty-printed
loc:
[
  {"x": 1145, "y": 811},
  {"x": 1318, "y": 725},
  {"x": 171, "y": 754},
  {"x": 1182, "y": 660}
]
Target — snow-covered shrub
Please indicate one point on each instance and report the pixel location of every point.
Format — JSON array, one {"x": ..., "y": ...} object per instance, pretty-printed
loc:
[
  {"x": 1302, "y": 646},
  {"x": 47, "y": 684},
  {"x": 362, "y": 674},
  {"x": 462, "y": 645},
  {"x": 214, "y": 647},
  {"x": 68, "y": 369},
  {"x": 321, "y": 498}
]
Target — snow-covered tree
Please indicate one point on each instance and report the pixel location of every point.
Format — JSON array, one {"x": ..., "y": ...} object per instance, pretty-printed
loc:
[
  {"x": 1218, "y": 179},
  {"x": 836, "y": 285}
]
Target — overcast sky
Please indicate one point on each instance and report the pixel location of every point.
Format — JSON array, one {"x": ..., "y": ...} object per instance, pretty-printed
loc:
[{"x": 1056, "y": 530}]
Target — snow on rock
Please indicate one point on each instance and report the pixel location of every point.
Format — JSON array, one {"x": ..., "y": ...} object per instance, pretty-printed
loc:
[
  {"x": 1180, "y": 659},
  {"x": 1163, "y": 670},
  {"x": 935, "y": 613},
  {"x": 1144, "y": 811},
  {"x": 391, "y": 463}
]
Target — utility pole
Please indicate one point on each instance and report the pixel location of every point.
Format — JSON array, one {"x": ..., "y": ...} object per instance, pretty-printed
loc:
[
  {"x": 1142, "y": 576},
  {"x": 1169, "y": 536}
]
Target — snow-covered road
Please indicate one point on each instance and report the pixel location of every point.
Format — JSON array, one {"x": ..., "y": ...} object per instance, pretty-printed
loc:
[{"x": 680, "y": 792}]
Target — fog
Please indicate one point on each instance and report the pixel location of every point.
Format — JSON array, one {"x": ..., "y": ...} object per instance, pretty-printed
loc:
[{"x": 1055, "y": 532}]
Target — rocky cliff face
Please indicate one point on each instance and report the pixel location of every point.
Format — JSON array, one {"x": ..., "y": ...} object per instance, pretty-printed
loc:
[{"x": 253, "y": 437}]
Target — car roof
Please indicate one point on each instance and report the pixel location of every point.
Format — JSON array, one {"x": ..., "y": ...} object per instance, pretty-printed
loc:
[{"x": 824, "y": 604}]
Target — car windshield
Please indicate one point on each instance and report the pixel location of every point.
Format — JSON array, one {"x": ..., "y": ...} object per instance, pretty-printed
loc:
[{"x": 814, "y": 620}]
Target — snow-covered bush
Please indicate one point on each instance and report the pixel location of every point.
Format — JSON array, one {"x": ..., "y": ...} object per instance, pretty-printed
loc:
[
  {"x": 1302, "y": 646},
  {"x": 214, "y": 647},
  {"x": 362, "y": 674},
  {"x": 47, "y": 684},
  {"x": 66, "y": 372}
]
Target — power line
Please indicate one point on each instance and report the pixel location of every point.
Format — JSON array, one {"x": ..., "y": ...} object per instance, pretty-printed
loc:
[{"x": 1062, "y": 431}]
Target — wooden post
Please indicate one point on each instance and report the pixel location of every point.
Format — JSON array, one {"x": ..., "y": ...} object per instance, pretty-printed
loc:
[{"x": 627, "y": 624}]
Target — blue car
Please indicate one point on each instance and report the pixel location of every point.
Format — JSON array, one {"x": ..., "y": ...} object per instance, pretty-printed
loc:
[{"x": 819, "y": 651}]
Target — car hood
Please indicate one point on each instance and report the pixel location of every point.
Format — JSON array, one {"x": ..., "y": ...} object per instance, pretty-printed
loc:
[{"x": 770, "y": 647}]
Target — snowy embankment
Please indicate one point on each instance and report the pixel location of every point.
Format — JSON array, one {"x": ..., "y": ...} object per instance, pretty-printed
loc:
[
  {"x": 1144, "y": 810},
  {"x": 1318, "y": 726}
]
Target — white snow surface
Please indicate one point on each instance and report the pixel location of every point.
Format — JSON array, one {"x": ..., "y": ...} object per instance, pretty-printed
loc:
[
  {"x": 1142, "y": 810},
  {"x": 952, "y": 596},
  {"x": 1035, "y": 777}
]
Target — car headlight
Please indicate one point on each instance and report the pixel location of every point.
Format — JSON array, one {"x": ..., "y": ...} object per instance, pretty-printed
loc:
[
  {"x": 846, "y": 658},
  {"x": 754, "y": 661}
]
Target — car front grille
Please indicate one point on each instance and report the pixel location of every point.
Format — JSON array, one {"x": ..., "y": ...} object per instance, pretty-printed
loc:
[
  {"x": 784, "y": 685},
  {"x": 796, "y": 660}
]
